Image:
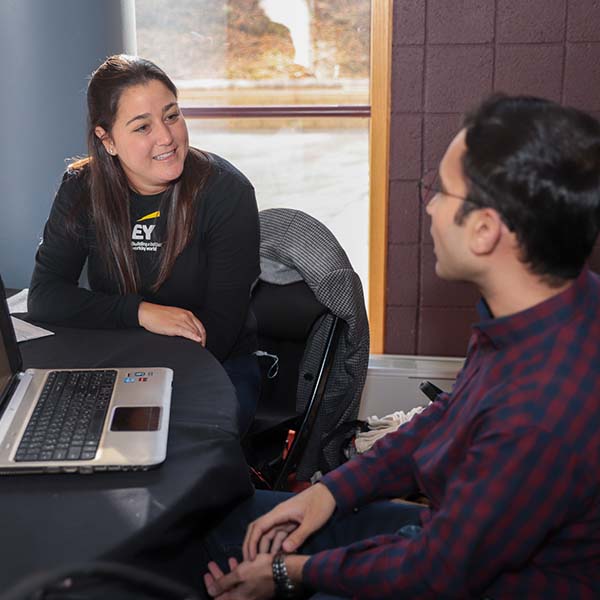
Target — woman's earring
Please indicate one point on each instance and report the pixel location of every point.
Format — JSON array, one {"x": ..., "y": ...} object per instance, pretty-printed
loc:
[{"x": 111, "y": 151}]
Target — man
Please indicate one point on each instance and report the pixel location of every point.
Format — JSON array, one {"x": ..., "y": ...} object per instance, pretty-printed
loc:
[{"x": 510, "y": 459}]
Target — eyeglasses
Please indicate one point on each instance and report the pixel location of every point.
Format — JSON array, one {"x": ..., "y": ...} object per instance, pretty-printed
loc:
[{"x": 430, "y": 185}]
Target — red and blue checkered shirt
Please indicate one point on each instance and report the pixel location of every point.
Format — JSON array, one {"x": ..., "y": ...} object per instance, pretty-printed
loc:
[{"x": 510, "y": 461}]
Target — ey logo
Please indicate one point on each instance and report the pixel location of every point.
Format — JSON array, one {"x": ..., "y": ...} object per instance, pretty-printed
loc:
[{"x": 142, "y": 231}]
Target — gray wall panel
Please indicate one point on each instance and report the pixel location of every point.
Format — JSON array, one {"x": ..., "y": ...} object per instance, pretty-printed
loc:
[{"x": 47, "y": 51}]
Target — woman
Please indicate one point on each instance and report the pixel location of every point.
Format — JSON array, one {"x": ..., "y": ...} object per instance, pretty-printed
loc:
[{"x": 170, "y": 233}]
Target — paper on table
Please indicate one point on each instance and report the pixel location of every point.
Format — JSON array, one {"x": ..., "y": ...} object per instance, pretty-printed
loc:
[
  {"x": 18, "y": 302},
  {"x": 26, "y": 331},
  {"x": 23, "y": 330}
]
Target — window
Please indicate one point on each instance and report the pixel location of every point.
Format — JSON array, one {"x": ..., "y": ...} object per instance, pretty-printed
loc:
[{"x": 281, "y": 89}]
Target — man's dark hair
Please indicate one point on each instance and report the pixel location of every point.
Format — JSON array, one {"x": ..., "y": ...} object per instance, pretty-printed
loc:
[{"x": 538, "y": 165}]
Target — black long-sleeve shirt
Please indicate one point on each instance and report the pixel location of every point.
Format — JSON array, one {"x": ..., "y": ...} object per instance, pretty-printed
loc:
[{"x": 212, "y": 277}]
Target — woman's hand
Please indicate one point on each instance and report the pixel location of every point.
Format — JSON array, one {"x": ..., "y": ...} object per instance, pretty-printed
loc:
[{"x": 170, "y": 320}]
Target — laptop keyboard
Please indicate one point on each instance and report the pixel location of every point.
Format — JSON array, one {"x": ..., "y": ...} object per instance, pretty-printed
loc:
[{"x": 67, "y": 421}]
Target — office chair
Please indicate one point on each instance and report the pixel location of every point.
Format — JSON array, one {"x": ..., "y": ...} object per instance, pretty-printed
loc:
[
  {"x": 286, "y": 315},
  {"x": 310, "y": 314}
]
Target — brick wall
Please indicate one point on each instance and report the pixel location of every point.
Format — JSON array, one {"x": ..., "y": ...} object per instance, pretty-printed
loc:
[{"x": 447, "y": 56}]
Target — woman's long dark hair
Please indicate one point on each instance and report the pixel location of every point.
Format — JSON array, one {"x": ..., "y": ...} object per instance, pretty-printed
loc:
[{"x": 109, "y": 188}]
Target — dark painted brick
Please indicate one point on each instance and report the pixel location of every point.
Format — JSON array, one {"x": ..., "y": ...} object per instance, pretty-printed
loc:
[
  {"x": 402, "y": 275},
  {"x": 403, "y": 213},
  {"x": 530, "y": 69},
  {"x": 460, "y": 21},
  {"x": 457, "y": 77},
  {"x": 582, "y": 76},
  {"x": 583, "y": 23},
  {"x": 405, "y": 146},
  {"x": 400, "y": 330},
  {"x": 445, "y": 331},
  {"x": 438, "y": 133},
  {"x": 407, "y": 78},
  {"x": 437, "y": 292},
  {"x": 530, "y": 21},
  {"x": 409, "y": 22}
]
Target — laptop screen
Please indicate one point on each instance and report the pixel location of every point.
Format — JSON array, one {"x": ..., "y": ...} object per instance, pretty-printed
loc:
[
  {"x": 6, "y": 372},
  {"x": 10, "y": 357}
]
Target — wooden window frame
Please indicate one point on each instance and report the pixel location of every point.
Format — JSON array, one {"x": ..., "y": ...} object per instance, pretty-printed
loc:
[{"x": 379, "y": 158}]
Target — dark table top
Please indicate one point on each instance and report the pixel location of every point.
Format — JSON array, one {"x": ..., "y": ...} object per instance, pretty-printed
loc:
[{"x": 52, "y": 520}]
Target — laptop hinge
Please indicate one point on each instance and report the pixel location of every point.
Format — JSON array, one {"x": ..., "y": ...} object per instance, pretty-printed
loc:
[
  {"x": 13, "y": 400},
  {"x": 8, "y": 392}
]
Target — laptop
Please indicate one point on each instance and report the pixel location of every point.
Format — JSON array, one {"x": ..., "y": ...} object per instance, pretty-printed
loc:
[{"x": 79, "y": 420}]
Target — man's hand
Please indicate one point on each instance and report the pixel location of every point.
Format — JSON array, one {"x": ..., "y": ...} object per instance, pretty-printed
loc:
[
  {"x": 245, "y": 581},
  {"x": 289, "y": 523},
  {"x": 170, "y": 320}
]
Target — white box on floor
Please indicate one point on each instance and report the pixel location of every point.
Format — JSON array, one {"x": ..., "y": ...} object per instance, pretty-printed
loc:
[{"x": 393, "y": 381}]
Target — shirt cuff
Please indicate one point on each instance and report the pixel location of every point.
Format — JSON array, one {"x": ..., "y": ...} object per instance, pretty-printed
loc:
[
  {"x": 314, "y": 574},
  {"x": 129, "y": 310}
]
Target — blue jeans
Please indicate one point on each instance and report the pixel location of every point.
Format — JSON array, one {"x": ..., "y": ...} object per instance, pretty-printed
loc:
[
  {"x": 377, "y": 518},
  {"x": 244, "y": 372}
]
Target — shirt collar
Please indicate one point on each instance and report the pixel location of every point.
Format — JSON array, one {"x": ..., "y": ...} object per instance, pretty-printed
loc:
[{"x": 551, "y": 313}]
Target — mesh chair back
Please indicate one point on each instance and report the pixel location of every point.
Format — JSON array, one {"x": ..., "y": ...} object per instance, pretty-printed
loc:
[{"x": 297, "y": 243}]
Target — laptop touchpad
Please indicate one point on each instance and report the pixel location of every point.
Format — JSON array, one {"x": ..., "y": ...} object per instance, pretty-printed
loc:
[{"x": 136, "y": 418}]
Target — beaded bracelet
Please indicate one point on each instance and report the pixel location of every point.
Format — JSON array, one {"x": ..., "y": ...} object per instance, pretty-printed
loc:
[{"x": 284, "y": 586}]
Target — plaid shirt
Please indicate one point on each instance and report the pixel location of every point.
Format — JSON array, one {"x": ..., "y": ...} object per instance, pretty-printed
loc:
[{"x": 510, "y": 461}]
